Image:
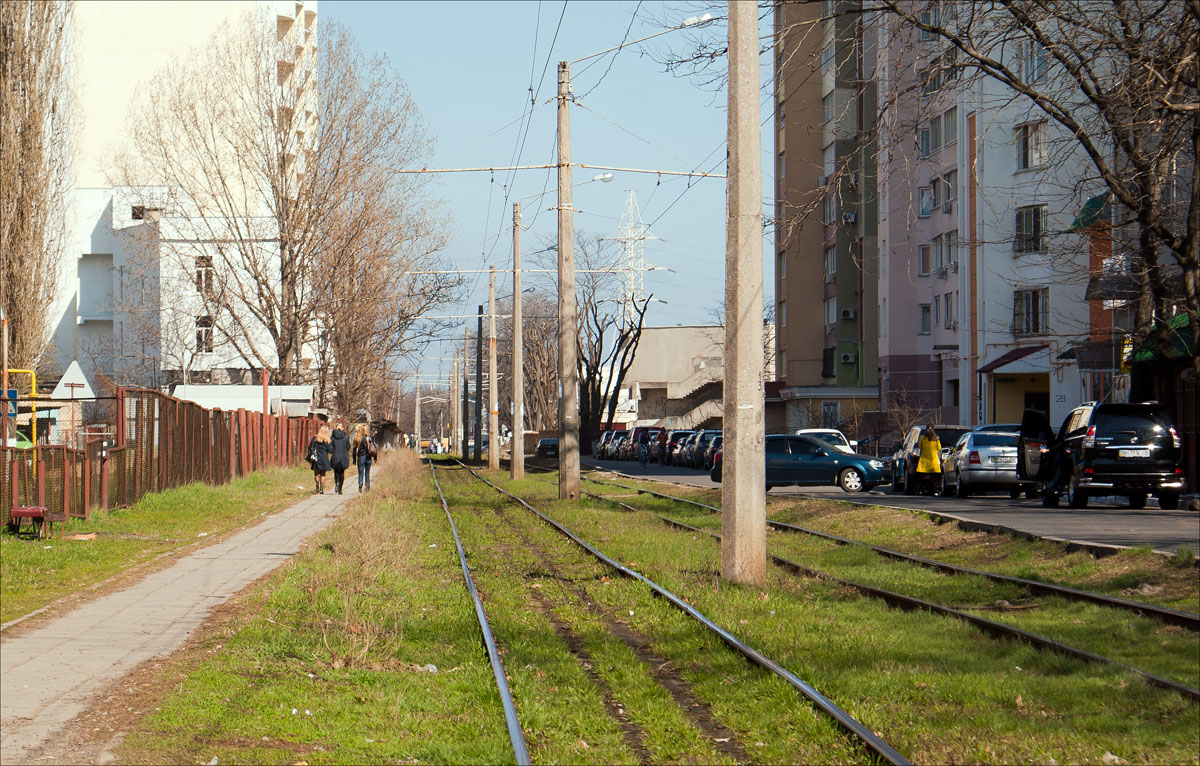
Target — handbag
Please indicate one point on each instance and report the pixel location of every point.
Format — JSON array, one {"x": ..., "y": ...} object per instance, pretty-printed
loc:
[{"x": 312, "y": 454}]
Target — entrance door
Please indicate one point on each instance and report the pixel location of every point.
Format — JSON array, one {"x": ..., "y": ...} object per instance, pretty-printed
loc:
[{"x": 1038, "y": 400}]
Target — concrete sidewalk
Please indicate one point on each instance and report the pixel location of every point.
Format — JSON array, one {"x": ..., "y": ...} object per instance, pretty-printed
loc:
[{"x": 47, "y": 675}]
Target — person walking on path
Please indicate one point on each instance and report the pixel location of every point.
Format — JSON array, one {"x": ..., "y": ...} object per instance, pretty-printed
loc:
[
  {"x": 319, "y": 450},
  {"x": 364, "y": 455},
  {"x": 929, "y": 466},
  {"x": 339, "y": 456}
]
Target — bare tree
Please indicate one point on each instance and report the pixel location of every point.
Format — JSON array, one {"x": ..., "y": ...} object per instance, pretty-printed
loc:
[
  {"x": 35, "y": 168},
  {"x": 290, "y": 193},
  {"x": 540, "y": 335}
]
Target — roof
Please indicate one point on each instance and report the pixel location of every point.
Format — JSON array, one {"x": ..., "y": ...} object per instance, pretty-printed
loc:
[
  {"x": 1179, "y": 334},
  {"x": 249, "y": 397},
  {"x": 1012, "y": 356}
]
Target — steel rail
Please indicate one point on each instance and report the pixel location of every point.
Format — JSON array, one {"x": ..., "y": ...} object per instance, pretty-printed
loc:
[
  {"x": 848, "y": 722},
  {"x": 1163, "y": 614},
  {"x": 515, "y": 735}
]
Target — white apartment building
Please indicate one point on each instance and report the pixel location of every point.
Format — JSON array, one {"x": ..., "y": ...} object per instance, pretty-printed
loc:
[
  {"x": 981, "y": 281},
  {"x": 131, "y": 306}
]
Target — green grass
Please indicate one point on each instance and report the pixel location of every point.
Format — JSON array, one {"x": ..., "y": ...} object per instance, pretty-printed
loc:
[
  {"x": 341, "y": 629},
  {"x": 35, "y": 573}
]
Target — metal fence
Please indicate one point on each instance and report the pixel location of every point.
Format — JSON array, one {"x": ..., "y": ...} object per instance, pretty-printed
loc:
[{"x": 157, "y": 442}]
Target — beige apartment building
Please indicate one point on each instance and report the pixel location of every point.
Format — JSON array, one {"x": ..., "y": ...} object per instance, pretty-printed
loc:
[{"x": 826, "y": 270}]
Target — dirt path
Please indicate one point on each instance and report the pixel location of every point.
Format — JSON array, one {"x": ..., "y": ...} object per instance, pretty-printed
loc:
[{"x": 49, "y": 674}]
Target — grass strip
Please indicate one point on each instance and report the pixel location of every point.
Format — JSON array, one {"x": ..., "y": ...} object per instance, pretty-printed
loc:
[{"x": 35, "y": 573}]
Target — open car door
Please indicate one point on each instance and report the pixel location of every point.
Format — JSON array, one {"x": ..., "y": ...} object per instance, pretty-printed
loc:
[{"x": 1033, "y": 447}]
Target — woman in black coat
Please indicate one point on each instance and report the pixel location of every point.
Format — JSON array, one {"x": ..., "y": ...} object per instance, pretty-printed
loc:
[
  {"x": 319, "y": 450},
  {"x": 340, "y": 456}
]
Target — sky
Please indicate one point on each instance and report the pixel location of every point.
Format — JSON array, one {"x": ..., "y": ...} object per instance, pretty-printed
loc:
[{"x": 470, "y": 66}]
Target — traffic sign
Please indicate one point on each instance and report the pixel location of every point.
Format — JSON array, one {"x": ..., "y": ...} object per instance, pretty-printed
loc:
[{"x": 11, "y": 402}]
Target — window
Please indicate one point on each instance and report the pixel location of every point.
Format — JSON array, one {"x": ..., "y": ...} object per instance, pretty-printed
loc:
[
  {"x": 937, "y": 310},
  {"x": 935, "y": 134},
  {"x": 923, "y": 257},
  {"x": 1031, "y": 145},
  {"x": 204, "y": 334},
  {"x": 935, "y": 188},
  {"x": 1033, "y": 60},
  {"x": 939, "y": 253},
  {"x": 949, "y": 310},
  {"x": 1031, "y": 311},
  {"x": 831, "y": 414},
  {"x": 829, "y": 211},
  {"x": 1030, "y": 229},
  {"x": 827, "y": 105},
  {"x": 829, "y": 159},
  {"x": 828, "y": 7},
  {"x": 951, "y": 247},
  {"x": 883, "y": 258},
  {"x": 883, "y": 318},
  {"x": 830, "y": 311},
  {"x": 926, "y": 321},
  {"x": 782, "y": 268},
  {"x": 923, "y": 142},
  {"x": 883, "y": 199},
  {"x": 930, "y": 18},
  {"x": 830, "y": 264},
  {"x": 950, "y": 182},
  {"x": 776, "y": 447},
  {"x": 204, "y": 273},
  {"x": 925, "y": 197},
  {"x": 827, "y": 59},
  {"x": 782, "y": 318},
  {"x": 780, "y": 167},
  {"x": 827, "y": 370},
  {"x": 950, "y": 126}
]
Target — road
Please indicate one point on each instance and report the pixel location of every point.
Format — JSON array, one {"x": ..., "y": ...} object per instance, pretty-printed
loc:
[{"x": 1102, "y": 523}]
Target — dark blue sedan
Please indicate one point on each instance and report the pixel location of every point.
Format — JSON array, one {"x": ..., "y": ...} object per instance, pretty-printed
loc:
[{"x": 805, "y": 461}]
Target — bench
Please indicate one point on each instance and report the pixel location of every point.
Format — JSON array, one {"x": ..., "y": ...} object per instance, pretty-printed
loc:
[{"x": 38, "y": 516}]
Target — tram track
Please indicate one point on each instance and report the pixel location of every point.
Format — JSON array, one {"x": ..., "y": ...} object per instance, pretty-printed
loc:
[
  {"x": 858, "y": 731},
  {"x": 899, "y": 600},
  {"x": 1163, "y": 614}
]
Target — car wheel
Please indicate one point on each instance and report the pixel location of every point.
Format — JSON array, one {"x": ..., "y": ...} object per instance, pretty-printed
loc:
[
  {"x": 768, "y": 488},
  {"x": 910, "y": 485},
  {"x": 963, "y": 489},
  {"x": 1031, "y": 494},
  {"x": 1168, "y": 501},
  {"x": 896, "y": 488},
  {"x": 850, "y": 480},
  {"x": 1076, "y": 498},
  {"x": 1014, "y": 493},
  {"x": 1137, "y": 501},
  {"x": 1049, "y": 500}
]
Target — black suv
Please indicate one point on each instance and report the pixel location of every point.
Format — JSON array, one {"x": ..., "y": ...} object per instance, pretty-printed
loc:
[{"x": 1103, "y": 449}]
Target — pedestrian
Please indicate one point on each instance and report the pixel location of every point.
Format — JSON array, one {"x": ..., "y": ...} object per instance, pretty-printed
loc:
[
  {"x": 339, "y": 444},
  {"x": 363, "y": 452},
  {"x": 318, "y": 453},
  {"x": 929, "y": 465}
]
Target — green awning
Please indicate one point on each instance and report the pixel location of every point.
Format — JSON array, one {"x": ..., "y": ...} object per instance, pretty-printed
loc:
[
  {"x": 1090, "y": 212},
  {"x": 1180, "y": 333}
]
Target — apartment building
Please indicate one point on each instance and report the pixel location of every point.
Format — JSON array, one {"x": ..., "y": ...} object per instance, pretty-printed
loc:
[
  {"x": 827, "y": 257},
  {"x": 981, "y": 280},
  {"x": 140, "y": 257}
]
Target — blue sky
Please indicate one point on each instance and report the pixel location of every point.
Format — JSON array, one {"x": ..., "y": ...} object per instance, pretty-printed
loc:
[{"x": 470, "y": 65}]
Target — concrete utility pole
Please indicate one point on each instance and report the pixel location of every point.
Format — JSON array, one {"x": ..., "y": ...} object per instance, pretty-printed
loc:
[
  {"x": 568, "y": 394},
  {"x": 466, "y": 395},
  {"x": 479, "y": 384},
  {"x": 4, "y": 404},
  {"x": 516, "y": 466},
  {"x": 494, "y": 379},
  {"x": 450, "y": 402},
  {"x": 417, "y": 415},
  {"x": 743, "y": 486}
]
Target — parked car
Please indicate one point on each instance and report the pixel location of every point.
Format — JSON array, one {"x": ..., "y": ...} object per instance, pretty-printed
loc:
[
  {"x": 710, "y": 454},
  {"x": 687, "y": 448},
  {"x": 805, "y": 461},
  {"x": 547, "y": 448},
  {"x": 832, "y": 436},
  {"x": 652, "y": 433},
  {"x": 601, "y": 443},
  {"x": 614, "y": 445},
  {"x": 698, "y": 446},
  {"x": 1131, "y": 450},
  {"x": 1008, "y": 428},
  {"x": 673, "y": 445},
  {"x": 984, "y": 460},
  {"x": 904, "y": 462}
]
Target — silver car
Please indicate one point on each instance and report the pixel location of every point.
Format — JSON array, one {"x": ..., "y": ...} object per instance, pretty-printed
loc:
[{"x": 984, "y": 460}]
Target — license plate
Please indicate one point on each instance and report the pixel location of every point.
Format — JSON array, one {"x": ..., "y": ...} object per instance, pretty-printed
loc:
[
  {"x": 1135, "y": 452},
  {"x": 1005, "y": 460}
]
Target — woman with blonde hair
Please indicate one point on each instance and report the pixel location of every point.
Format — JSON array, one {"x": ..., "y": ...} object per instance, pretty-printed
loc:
[
  {"x": 363, "y": 452},
  {"x": 319, "y": 451}
]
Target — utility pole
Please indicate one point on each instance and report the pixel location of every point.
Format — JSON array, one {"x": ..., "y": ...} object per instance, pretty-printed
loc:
[
  {"x": 466, "y": 396},
  {"x": 479, "y": 384},
  {"x": 568, "y": 402},
  {"x": 743, "y": 500},
  {"x": 417, "y": 415},
  {"x": 494, "y": 378},
  {"x": 4, "y": 377},
  {"x": 450, "y": 401},
  {"x": 516, "y": 466}
]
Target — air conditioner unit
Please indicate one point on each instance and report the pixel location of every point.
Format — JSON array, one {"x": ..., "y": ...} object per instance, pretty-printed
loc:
[
  {"x": 953, "y": 325},
  {"x": 941, "y": 273},
  {"x": 846, "y": 313},
  {"x": 853, "y": 181},
  {"x": 849, "y": 218},
  {"x": 848, "y": 358},
  {"x": 948, "y": 206}
]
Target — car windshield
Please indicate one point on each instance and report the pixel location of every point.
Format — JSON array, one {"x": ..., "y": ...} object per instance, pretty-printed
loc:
[
  {"x": 994, "y": 440},
  {"x": 1132, "y": 419},
  {"x": 949, "y": 436}
]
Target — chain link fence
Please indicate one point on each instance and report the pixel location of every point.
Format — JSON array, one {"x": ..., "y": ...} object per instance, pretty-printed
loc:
[{"x": 157, "y": 442}]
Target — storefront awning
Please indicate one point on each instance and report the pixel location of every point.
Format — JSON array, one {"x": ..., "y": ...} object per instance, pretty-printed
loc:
[{"x": 1012, "y": 356}]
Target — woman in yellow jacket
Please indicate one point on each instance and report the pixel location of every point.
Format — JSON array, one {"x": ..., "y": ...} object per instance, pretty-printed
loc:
[{"x": 929, "y": 466}]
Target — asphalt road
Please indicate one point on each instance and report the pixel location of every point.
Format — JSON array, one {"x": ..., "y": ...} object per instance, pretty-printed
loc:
[{"x": 1103, "y": 523}]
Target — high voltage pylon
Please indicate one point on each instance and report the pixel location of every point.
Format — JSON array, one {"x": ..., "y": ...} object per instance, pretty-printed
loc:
[{"x": 631, "y": 234}]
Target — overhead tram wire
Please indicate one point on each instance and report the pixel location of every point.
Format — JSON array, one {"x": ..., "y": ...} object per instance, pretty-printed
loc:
[{"x": 612, "y": 60}]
